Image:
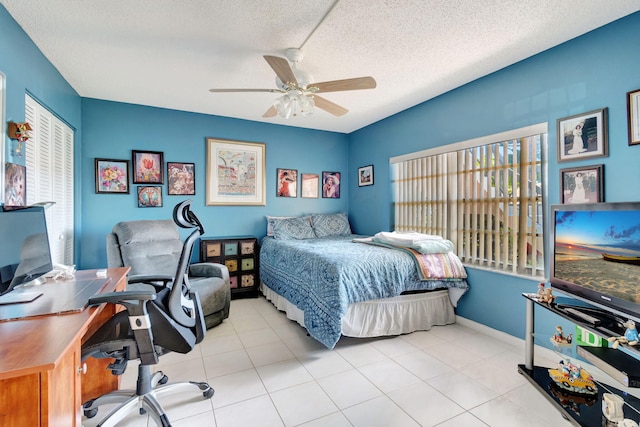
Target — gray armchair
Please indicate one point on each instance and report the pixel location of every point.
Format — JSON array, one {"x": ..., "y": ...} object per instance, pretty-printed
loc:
[{"x": 153, "y": 248}]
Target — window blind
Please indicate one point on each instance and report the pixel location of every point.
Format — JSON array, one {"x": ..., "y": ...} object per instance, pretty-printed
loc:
[{"x": 485, "y": 195}]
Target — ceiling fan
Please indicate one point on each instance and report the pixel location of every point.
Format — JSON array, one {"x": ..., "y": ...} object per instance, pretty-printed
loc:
[{"x": 299, "y": 95}]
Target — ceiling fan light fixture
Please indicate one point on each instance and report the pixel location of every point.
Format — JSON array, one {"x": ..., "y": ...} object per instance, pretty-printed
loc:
[{"x": 295, "y": 103}]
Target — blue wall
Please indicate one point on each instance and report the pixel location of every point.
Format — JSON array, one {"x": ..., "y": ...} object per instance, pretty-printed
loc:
[
  {"x": 590, "y": 72},
  {"x": 112, "y": 129}
]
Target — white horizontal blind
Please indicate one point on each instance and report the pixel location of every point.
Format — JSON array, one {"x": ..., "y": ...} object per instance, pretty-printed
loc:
[
  {"x": 487, "y": 199},
  {"x": 49, "y": 161}
]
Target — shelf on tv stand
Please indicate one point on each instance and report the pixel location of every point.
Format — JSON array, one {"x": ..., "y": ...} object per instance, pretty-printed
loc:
[{"x": 590, "y": 412}]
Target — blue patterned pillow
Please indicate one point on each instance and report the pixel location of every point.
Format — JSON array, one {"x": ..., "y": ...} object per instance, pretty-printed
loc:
[
  {"x": 330, "y": 225},
  {"x": 291, "y": 228}
]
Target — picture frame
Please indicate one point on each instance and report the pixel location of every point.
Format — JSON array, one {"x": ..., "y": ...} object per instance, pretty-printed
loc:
[
  {"x": 181, "y": 179},
  {"x": 633, "y": 116},
  {"x": 150, "y": 196},
  {"x": 148, "y": 167},
  {"x": 112, "y": 176},
  {"x": 582, "y": 184},
  {"x": 588, "y": 131},
  {"x": 235, "y": 173},
  {"x": 286, "y": 182},
  {"x": 15, "y": 185},
  {"x": 331, "y": 185},
  {"x": 365, "y": 176},
  {"x": 309, "y": 185}
]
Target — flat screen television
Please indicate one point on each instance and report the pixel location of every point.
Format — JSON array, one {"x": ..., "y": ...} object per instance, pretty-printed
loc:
[
  {"x": 596, "y": 255},
  {"x": 25, "y": 255}
]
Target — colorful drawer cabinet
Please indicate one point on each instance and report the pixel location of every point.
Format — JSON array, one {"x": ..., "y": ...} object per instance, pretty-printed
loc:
[{"x": 240, "y": 255}]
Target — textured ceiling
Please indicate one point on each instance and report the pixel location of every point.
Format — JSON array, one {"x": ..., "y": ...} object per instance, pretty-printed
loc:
[{"x": 168, "y": 53}]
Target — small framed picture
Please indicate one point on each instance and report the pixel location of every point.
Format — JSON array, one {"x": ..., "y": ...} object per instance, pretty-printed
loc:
[
  {"x": 112, "y": 176},
  {"x": 148, "y": 167},
  {"x": 331, "y": 185},
  {"x": 149, "y": 196},
  {"x": 287, "y": 183},
  {"x": 15, "y": 185},
  {"x": 365, "y": 176},
  {"x": 309, "y": 183},
  {"x": 181, "y": 178},
  {"x": 633, "y": 114},
  {"x": 583, "y": 136},
  {"x": 582, "y": 185}
]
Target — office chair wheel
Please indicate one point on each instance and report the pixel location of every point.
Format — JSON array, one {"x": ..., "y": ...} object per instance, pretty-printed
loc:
[
  {"x": 142, "y": 411},
  {"x": 208, "y": 394},
  {"x": 90, "y": 413}
]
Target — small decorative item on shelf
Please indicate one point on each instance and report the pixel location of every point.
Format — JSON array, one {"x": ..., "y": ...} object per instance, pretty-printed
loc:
[
  {"x": 547, "y": 296},
  {"x": 559, "y": 338},
  {"x": 630, "y": 337},
  {"x": 573, "y": 378},
  {"x": 612, "y": 408}
]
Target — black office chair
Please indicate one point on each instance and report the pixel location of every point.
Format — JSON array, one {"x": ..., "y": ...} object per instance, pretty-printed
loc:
[{"x": 152, "y": 324}]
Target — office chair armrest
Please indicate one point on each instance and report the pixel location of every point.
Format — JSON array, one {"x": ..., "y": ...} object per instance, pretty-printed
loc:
[
  {"x": 122, "y": 297},
  {"x": 209, "y": 269},
  {"x": 159, "y": 282}
]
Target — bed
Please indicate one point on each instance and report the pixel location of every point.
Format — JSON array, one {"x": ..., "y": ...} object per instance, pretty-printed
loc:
[{"x": 315, "y": 270}]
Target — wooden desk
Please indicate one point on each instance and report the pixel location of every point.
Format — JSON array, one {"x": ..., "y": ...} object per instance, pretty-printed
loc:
[{"x": 41, "y": 381}]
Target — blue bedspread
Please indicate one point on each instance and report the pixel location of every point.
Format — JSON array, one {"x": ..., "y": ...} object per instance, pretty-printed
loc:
[{"x": 323, "y": 276}]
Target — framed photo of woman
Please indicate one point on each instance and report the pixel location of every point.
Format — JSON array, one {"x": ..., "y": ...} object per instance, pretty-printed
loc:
[
  {"x": 583, "y": 136},
  {"x": 287, "y": 183},
  {"x": 582, "y": 185},
  {"x": 331, "y": 185}
]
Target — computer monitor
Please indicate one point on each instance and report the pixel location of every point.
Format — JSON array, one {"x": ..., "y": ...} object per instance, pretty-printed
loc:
[{"x": 25, "y": 255}]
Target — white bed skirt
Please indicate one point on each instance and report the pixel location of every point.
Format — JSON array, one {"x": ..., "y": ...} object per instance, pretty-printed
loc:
[{"x": 390, "y": 316}]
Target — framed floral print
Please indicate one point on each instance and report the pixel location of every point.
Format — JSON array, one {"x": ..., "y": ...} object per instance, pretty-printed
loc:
[
  {"x": 112, "y": 176},
  {"x": 148, "y": 167}
]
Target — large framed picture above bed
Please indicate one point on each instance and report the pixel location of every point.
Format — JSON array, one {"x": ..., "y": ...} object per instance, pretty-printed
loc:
[{"x": 235, "y": 172}]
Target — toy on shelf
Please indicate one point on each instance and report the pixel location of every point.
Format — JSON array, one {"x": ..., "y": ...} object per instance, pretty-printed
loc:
[
  {"x": 559, "y": 338},
  {"x": 573, "y": 378},
  {"x": 545, "y": 294},
  {"x": 630, "y": 337}
]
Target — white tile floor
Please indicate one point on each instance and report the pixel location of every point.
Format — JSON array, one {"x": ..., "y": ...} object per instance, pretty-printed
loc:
[{"x": 267, "y": 372}]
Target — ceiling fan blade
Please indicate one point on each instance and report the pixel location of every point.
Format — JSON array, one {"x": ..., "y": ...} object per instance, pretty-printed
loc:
[
  {"x": 282, "y": 68},
  {"x": 329, "y": 106},
  {"x": 271, "y": 112},
  {"x": 346, "y": 84},
  {"x": 244, "y": 90}
]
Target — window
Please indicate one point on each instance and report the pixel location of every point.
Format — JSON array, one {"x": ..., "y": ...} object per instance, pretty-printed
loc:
[
  {"x": 485, "y": 195},
  {"x": 49, "y": 161}
]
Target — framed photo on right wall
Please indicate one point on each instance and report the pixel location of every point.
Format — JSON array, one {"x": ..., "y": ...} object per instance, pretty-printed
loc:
[
  {"x": 583, "y": 136},
  {"x": 633, "y": 115},
  {"x": 582, "y": 185}
]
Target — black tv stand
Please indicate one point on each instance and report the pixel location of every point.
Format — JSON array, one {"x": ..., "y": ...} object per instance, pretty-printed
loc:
[{"x": 583, "y": 410}]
